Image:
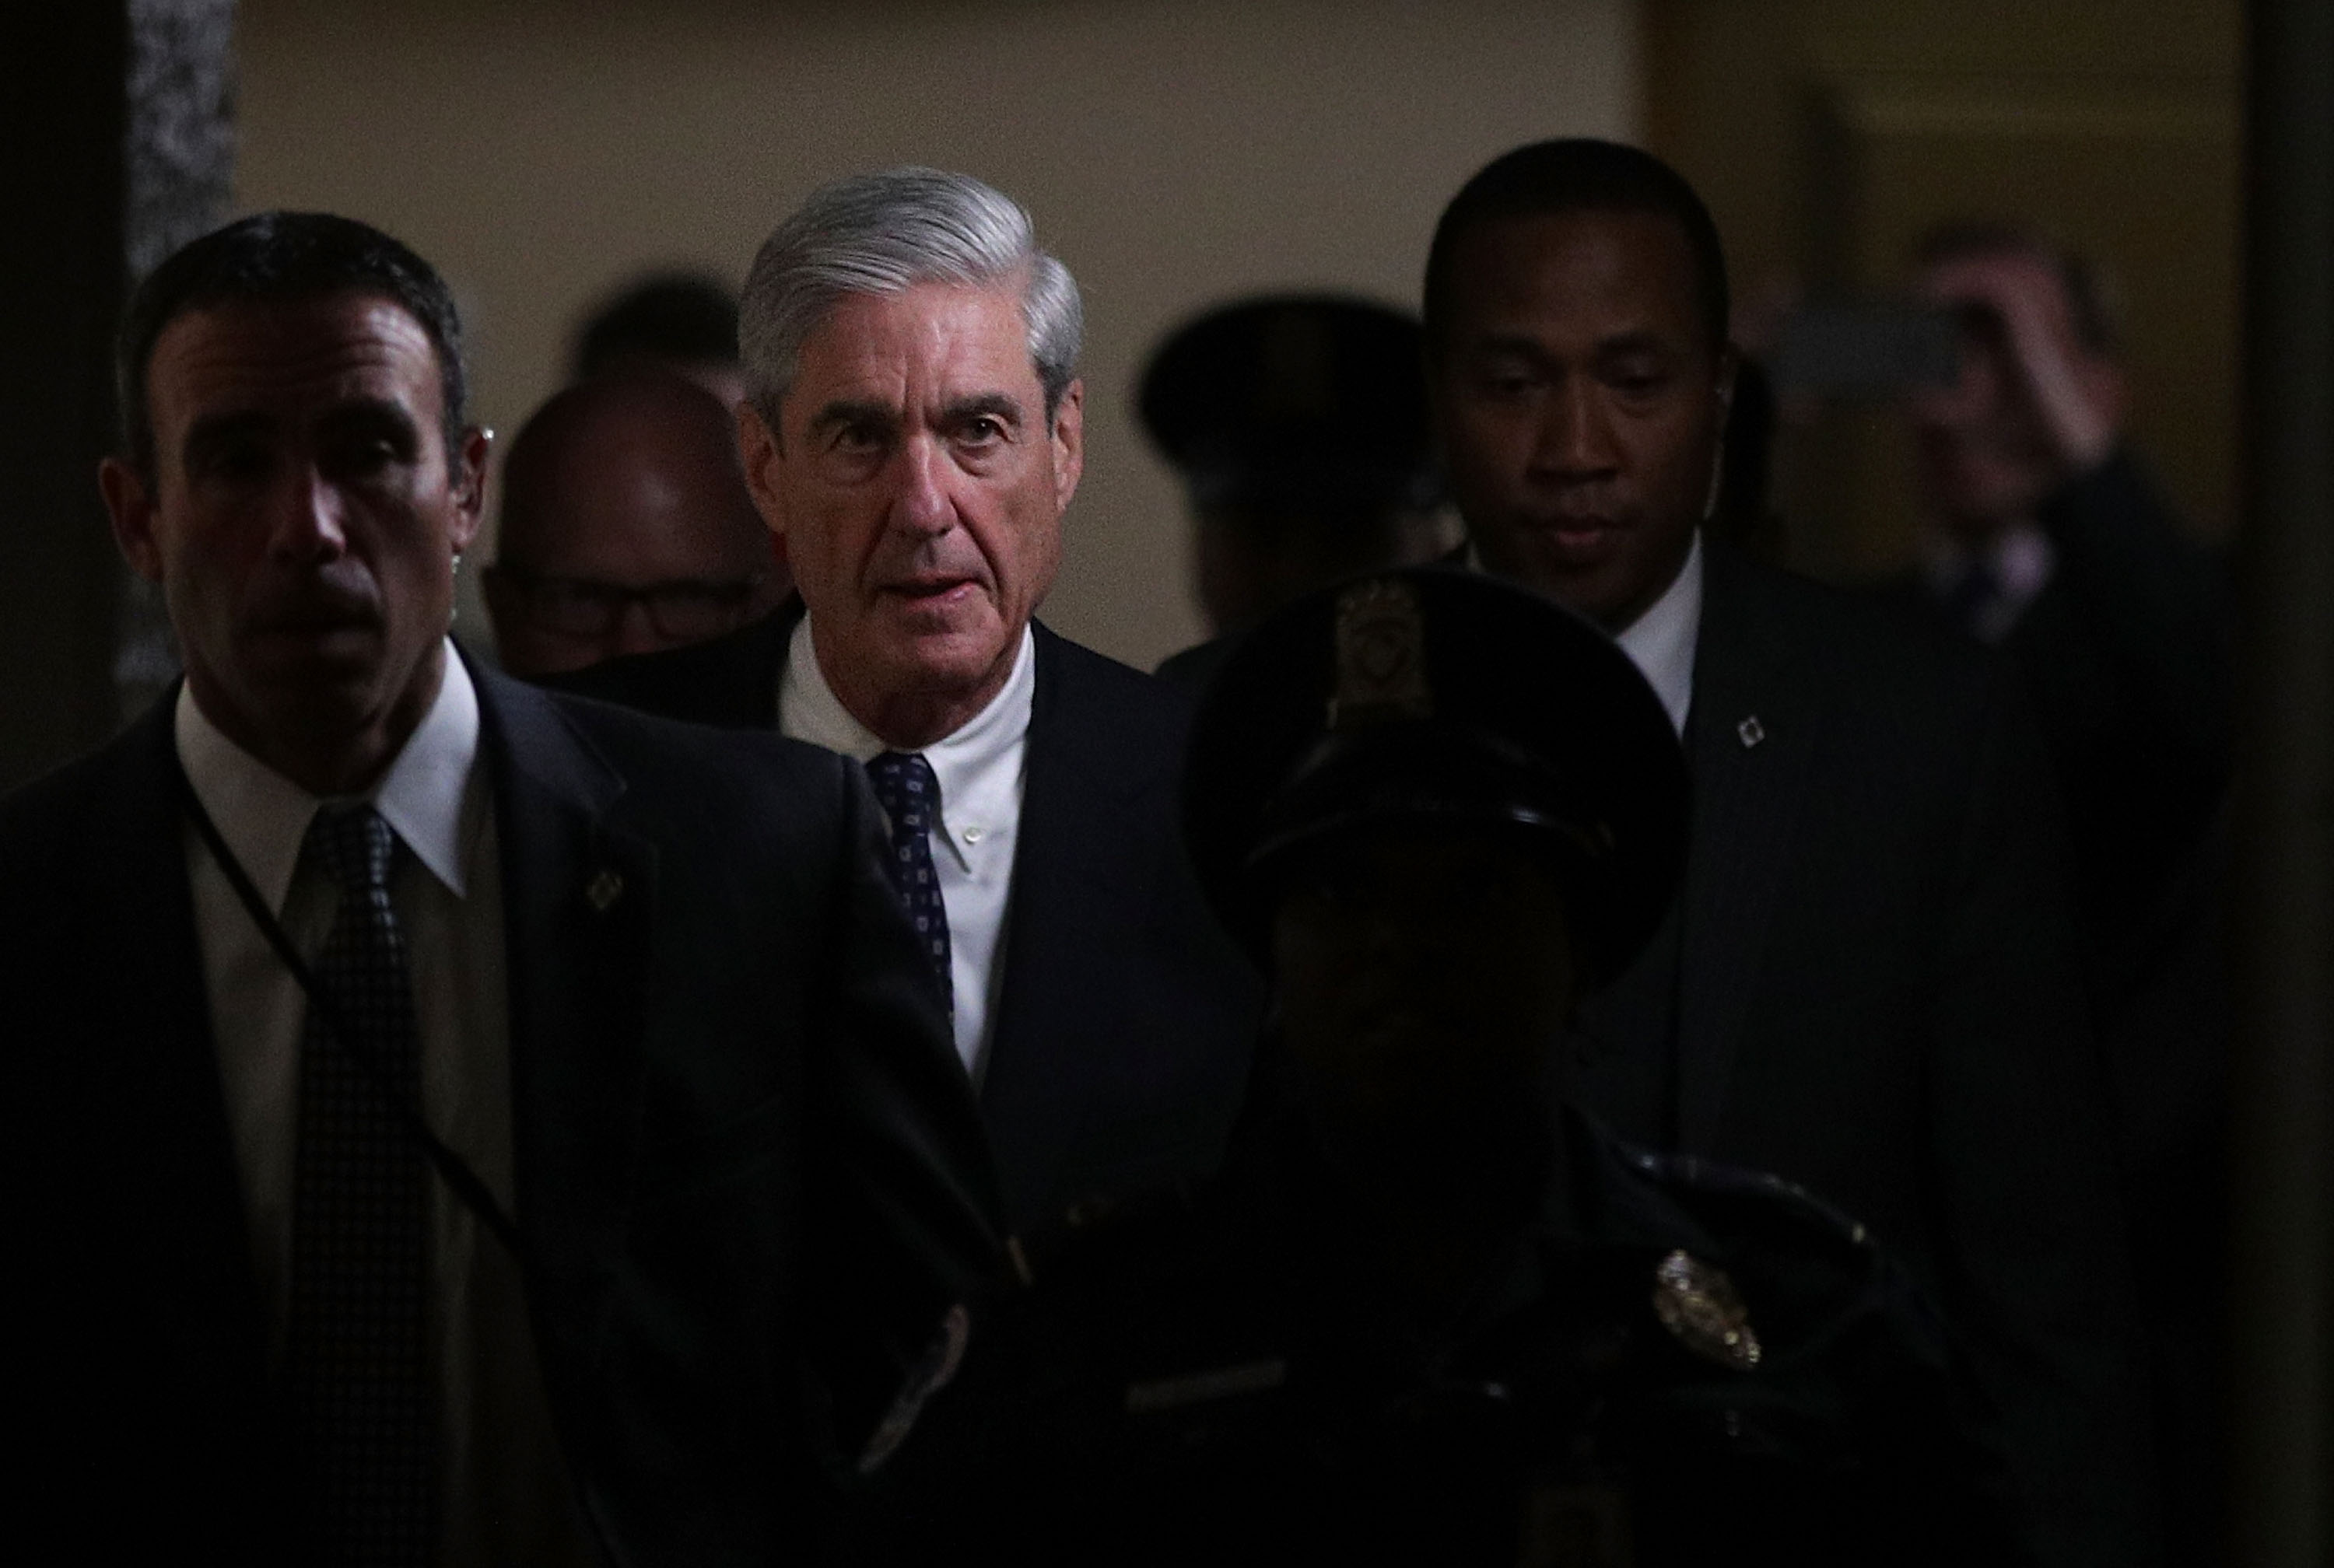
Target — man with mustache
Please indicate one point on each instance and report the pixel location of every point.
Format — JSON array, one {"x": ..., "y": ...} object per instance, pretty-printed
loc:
[
  {"x": 459, "y": 1125},
  {"x": 913, "y": 433},
  {"x": 1869, "y": 984}
]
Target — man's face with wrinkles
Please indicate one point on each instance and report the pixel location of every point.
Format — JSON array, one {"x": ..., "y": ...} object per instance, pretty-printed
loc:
[
  {"x": 1579, "y": 404},
  {"x": 302, "y": 516},
  {"x": 918, "y": 488}
]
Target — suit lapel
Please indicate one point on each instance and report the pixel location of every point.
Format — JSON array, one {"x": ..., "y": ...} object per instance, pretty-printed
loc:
[
  {"x": 170, "y": 1148},
  {"x": 1750, "y": 739},
  {"x": 579, "y": 895},
  {"x": 1072, "y": 805}
]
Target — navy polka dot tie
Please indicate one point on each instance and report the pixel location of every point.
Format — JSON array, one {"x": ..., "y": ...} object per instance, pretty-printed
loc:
[
  {"x": 911, "y": 797},
  {"x": 357, "y": 1348}
]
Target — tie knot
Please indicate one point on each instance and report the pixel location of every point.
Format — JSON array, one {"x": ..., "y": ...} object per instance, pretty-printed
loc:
[
  {"x": 907, "y": 788},
  {"x": 352, "y": 846}
]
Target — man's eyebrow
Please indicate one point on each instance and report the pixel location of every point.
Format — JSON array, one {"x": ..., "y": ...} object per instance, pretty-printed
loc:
[
  {"x": 996, "y": 404},
  {"x": 1637, "y": 340},
  {"x": 219, "y": 429},
  {"x": 362, "y": 411},
  {"x": 1512, "y": 345},
  {"x": 848, "y": 412},
  {"x": 369, "y": 409}
]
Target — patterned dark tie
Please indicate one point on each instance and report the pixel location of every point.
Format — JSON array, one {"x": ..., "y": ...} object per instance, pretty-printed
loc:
[
  {"x": 911, "y": 797},
  {"x": 357, "y": 1353}
]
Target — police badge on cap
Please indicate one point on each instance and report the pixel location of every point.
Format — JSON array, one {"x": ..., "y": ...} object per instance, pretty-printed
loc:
[{"x": 1432, "y": 694}]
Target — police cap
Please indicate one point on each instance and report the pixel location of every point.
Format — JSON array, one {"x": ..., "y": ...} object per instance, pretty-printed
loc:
[
  {"x": 1294, "y": 400},
  {"x": 1431, "y": 695}
]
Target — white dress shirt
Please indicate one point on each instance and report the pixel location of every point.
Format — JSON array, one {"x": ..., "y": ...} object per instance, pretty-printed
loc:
[
  {"x": 1662, "y": 642},
  {"x": 981, "y": 770},
  {"x": 505, "y": 1495}
]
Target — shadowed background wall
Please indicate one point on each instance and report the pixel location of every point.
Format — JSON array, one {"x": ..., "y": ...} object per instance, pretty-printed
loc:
[{"x": 539, "y": 150}]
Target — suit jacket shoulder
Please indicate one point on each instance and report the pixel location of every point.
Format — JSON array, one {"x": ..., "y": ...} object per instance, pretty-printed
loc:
[
  {"x": 1879, "y": 996},
  {"x": 1126, "y": 719},
  {"x": 730, "y": 682},
  {"x": 1126, "y": 1015}
]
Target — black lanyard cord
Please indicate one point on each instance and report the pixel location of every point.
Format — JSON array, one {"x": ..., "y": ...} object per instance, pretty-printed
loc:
[{"x": 450, "y": 1166}]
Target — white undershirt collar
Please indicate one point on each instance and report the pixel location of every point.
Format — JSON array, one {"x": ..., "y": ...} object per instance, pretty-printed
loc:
[
  {"x": 263, "y": 816},
  {"x": 978, "y": 765},
  {"x": 1661, "y": 642}
]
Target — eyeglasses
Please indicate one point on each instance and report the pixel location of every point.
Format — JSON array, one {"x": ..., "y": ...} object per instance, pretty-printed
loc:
[{"x": 683, "y": 609}]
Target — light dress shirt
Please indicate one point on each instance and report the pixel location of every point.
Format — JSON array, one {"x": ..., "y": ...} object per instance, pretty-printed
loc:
[
  {"x": 981, "y": 769},
  {"x": 2021, "y": 558},
  {"x": 1661, "y": 642},
  {"x": 505, "y": 1495}
]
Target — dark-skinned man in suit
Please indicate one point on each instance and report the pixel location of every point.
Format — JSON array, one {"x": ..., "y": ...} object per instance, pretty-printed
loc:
[
  {"x": 913, "y": 434},
  {"x": 457, "y": 1124},
  {"x": 1869, "y": 985}
]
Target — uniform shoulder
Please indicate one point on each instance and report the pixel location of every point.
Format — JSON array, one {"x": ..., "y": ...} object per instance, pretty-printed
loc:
[
  {"x": 1785, "y": 1242},
  {"x": 730, "y": 681}
]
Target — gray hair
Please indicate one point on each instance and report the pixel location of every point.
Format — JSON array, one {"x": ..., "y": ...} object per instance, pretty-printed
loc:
[{"x": 882, "y": 234}]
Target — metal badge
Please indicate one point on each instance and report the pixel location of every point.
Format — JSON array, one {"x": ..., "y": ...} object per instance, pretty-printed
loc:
[
  {"x": 1750, "y": 732},
  {"x": 605, "y": 890},
  {"x": 1696, "y": 1301},
  {"x": 1381, "y": 656}
]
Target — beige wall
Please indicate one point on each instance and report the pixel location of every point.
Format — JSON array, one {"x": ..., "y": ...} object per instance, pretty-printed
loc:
[{"x": 1171, "y": 153}]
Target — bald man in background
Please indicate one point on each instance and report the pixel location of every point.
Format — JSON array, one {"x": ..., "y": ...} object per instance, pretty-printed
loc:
[{"x": 626, "y": 528}]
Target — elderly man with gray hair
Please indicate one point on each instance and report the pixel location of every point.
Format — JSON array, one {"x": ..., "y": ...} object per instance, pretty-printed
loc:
[{"x": 913, "y": 433}]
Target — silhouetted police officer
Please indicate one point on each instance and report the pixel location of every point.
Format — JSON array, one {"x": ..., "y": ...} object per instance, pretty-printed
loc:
[
  {"x": 1298, "y": 426},
  {"x": 1427, "y": 1311}
]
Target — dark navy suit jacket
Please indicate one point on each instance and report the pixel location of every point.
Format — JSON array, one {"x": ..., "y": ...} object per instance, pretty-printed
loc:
[
  {"x": 749, "y": 1181},
  {"x": 1871, "y": 986},
  {"x": 1127, "y": 1015}
]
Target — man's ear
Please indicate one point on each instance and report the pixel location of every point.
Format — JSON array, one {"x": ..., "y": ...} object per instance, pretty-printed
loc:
[
  {"x": 1069, "y": 438},
  {"x": 468, "y": 481},
  {"x": 758, "y": 451},
  {"x": 132, "y": 510}
]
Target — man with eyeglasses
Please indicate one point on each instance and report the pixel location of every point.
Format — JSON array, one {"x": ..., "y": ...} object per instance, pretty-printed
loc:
[{"x": 626, "y": 528}]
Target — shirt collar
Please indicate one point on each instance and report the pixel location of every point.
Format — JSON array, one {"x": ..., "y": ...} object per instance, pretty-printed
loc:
[
  {"x": 977, "y": 765},
  {"x": 1661, "y": 642},
  {"x": 422, "y": 794}
]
